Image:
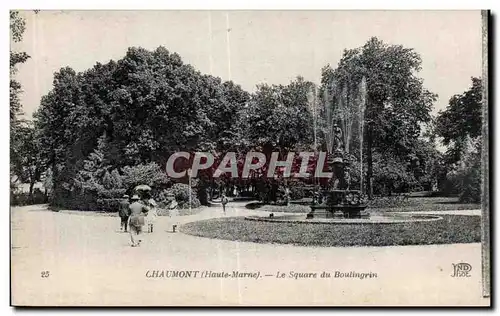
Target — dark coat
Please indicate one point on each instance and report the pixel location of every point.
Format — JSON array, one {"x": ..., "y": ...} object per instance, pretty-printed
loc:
[
  {"x": 137, "y": 213},
  {"x": 124, "y": 208}
]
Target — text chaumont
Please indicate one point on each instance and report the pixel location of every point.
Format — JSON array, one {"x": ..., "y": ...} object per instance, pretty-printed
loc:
[{"x": 181, "y": 274}]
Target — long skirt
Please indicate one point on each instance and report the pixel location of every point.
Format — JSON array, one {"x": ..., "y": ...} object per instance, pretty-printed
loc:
[{"x": 136, "y": 222}]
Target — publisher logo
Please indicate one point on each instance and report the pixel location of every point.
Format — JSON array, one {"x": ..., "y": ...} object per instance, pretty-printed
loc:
[{"x": 461, "y": 270}]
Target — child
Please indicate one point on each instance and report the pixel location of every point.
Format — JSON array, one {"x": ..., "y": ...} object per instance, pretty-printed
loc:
[
  {"x": 151, "y": 217},
  {"x": 173, "y": 212},
  {"x": 224, "y": 202}
]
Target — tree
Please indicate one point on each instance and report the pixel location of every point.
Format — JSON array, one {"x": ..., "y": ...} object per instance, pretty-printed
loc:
[
  {"x": 460, "y": 125},
  {"x": 148, "y": 105},
  {"x": 397, "y": 103},
  {"x": 17, "y": 28},
  {"x": 465, "y": 175},
  {"x": 278, "y": 117},
  {"x": 425, "y": 163},
  {"x": 227, "y": 132},
  {"x": 26, "y": 163},
  {"x": 62, "y": 143},
  {"x": 461, "y": 120},
  {"x": 391, "y": 175}
]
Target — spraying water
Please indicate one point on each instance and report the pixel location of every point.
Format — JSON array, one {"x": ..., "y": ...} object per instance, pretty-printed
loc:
[
  {"x": 313, "y": 105},
  {"x": 362, "y": 91},
  {"x": 345, "y": 105},
  {"x": 328, "y": 110},
  {"x": 311, "y": 100}
]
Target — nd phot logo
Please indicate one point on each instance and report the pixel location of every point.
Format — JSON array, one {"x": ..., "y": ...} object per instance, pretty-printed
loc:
[{"x": 461, "y": 270}]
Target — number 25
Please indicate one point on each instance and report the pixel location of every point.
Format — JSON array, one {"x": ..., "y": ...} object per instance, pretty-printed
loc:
[{"x": 45, "y": 274}]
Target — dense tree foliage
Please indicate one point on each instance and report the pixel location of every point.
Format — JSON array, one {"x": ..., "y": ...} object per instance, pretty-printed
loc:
[
  {"x": 17, "y": 27},
  {"x": 397, "y": 103},
  {"x": 101, "y": 132},
  {"x": 25, "y": 164},
  {"x": 460, "y": 127},
  {"x": 461, "y": 120},
  {"x": 278, "y": 117},
  {"x": 144, "y": 107}
]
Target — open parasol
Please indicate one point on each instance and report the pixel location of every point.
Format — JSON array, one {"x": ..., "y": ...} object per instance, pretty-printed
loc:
[{"x": 142, "y": 187}]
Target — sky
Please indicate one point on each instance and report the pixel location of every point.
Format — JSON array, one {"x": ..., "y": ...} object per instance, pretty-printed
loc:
[{"x": 261, "y": 46}]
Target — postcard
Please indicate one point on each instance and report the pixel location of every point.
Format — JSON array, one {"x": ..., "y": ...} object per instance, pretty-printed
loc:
[{"x": 249, "y": 158}]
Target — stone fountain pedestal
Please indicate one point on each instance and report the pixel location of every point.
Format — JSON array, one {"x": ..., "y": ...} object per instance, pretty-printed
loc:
[
  {"x": 338, "y": 212},
  {"x": 339, "y": 204},
  {"x": 336, "y": 200}
]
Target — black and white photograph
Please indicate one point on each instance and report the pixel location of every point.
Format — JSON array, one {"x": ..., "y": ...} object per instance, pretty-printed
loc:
[{"x": 275, "y": 158}]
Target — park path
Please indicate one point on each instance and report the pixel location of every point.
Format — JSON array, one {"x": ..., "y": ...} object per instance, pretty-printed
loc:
[{"x": 89, "y": 262}]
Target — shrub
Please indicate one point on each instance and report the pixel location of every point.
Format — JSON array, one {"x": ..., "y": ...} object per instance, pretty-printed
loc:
[
  {"x": 112, "y": 180},
  {"x": 389, "y": 201},
  {"x": 247, "y": 194},
  {"x": 391, "y": 175},
  {"x": 82, "y": 196},
  {"x": 111, "y": 193},
  {"x": 181, "y": 193},
  {"x": 201, "y": 191},
  {"x": 297, "y": 193},
  {"x": 467, "y": 175},
  {"x": 23, "y": 198},
  {"x": 162, "y": 196},
  {"x": 108, "y": 205},
  {"x": 149, "y": 174}
]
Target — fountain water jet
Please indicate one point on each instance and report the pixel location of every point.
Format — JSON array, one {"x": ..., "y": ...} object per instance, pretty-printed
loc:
[{"x": 336, "y": 199}]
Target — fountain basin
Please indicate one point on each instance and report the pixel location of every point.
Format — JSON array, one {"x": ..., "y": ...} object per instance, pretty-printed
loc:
[
  {"x": 338, "y": 211},
  {"x": 339, "y": 204}
]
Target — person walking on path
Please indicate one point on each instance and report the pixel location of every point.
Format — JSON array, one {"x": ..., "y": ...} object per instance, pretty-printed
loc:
[
  {"x": 224, "y": 201},
  {"x": 287, "y": 196},
  {"x": 173, "y": 212},
  {"x": 124, "y": 213},
  {"x": 138, "y": 211},
  {"x": 151, "y": 217}
]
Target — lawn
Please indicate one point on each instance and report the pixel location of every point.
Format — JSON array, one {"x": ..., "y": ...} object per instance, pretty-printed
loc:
[
  {"x": 416, "y": 204},
  {"x": 292, "y": 208},
  {"x": 451, "y": 229},
  {"x": 412, "y": 204}
]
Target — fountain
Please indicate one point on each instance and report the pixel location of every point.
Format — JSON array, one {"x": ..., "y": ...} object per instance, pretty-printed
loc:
[
  {"x": 337, "y": 199},
  {"x": 335, "y": 202}
]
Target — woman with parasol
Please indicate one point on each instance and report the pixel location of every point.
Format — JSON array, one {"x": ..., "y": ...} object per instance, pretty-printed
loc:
[{"x": 144, "y": 191}]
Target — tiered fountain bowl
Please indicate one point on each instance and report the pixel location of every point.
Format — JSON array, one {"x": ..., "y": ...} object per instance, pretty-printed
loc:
[{"x": 339, "y": 204}]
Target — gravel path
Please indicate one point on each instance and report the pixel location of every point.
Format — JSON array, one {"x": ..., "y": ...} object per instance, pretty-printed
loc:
[{"x": 89, "y": 262}]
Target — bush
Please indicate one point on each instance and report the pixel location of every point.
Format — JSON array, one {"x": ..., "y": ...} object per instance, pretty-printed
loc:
[
  {"x": 109, "y": 205},
  {"x": 195, "y": 203},
  {"x": 162, "y": 196},
  {"x": 82, "y": 196},
  {"x": 112, "y": 180},
  {"x": 391, "y": 175},
  {"x": 23, "y": 198},
  {"x": 181, "y": 193},
  {"x": 467, "y": 175},
  {"x": 111, "y": 193},
  {"x": 246, "y": 194},
  {"x": 297, "y": 193},
  {"x": 201, "y": 191},
  {"x": 389, "y": 201},
  {"x": 149, "y": 174}
]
